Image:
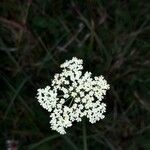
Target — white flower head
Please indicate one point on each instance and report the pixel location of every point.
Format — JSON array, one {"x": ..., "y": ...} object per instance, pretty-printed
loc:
[{"x": 73, "y": 95}]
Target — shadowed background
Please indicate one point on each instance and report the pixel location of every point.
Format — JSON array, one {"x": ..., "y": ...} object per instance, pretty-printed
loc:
[{"x": 111, "y": 37}]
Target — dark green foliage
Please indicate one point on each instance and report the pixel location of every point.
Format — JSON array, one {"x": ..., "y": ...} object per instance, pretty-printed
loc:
[{"x": 112, "y": 39}]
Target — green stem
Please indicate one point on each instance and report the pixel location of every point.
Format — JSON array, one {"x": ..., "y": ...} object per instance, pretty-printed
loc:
[
  {"x": 71, "y": 102},
  {"x": 85, "y": 147}
]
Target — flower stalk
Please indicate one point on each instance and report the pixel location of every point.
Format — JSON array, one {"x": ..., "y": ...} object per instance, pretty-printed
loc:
[{"x": 85, "y": 146}]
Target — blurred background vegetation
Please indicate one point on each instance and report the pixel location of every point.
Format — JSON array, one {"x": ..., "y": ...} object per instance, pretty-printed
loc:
[{"x": 36, "y": 36}]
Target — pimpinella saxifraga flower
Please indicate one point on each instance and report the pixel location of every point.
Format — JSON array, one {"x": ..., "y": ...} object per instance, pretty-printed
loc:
[{"x": 73, "y": 95}]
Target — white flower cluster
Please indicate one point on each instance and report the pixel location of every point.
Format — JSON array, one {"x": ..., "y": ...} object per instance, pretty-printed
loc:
[{"x": 73, "y": 95}]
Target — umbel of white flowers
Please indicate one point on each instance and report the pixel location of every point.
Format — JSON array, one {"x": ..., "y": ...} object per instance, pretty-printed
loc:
[{"x": 73, "y": 95}]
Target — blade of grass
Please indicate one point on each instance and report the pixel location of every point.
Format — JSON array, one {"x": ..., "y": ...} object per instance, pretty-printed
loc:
[
  {"x": 97, "y": 38},
  {"x": 15, "y": 95},
  {"x": 47, "y": 139},
  {"x": 105, "y": 142},
  {"x": 69, "y": 141},
  {"x": 48, "y": 56},
  {"x": 20, "y": 98},
  {"x": 18, "y": 67},
  {"x": 102, "y": 139},
  {"x": 133, "y": 37}
]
